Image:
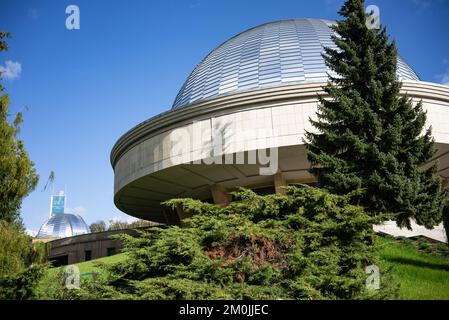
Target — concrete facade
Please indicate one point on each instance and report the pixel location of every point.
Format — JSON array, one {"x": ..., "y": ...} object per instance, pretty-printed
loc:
[{"x": 146, "y": 173}]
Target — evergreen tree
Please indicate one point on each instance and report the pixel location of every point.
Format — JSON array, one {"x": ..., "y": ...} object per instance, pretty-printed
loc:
[
  {"x": 370, "y": 137},
  {"x": 446, "y": 220},
  {"x": 17, "y": 174},
  {"x": 20, "y": 260}
]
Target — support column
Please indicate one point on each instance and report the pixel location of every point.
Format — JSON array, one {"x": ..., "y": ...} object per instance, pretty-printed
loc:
[
  {"x": 220, "y": 195},
  {"x": 445, "y": 183},
  {"x": 182, "y": 214},
  {"x": 279, "y": 183},
  {"x": 171, "y": 217}
]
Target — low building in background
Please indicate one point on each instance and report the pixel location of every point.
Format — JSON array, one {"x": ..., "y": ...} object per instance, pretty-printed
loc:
[
  {"x": 69, "y": 240},
  {"x": 86, "y": 247}
]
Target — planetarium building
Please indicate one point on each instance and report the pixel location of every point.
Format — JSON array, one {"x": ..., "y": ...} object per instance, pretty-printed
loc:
[
  {"x": 240, "y": 119},
  {"x": 61, "y": 224}
]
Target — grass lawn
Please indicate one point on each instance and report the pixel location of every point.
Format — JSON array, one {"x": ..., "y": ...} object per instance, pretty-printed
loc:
[
  {"x": 421, "y": 272},
  {"x": 90, "y": 266},
  {"x": 421, "y": 275}
]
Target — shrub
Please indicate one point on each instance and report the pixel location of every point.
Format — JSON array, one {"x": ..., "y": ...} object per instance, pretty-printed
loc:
[
  {"x": 20, "y": 262},
  {"x": 307, "y": 244},
  {"x": 21, "y": 285}
]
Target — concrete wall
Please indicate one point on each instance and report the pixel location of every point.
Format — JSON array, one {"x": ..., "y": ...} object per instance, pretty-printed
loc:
[
  {"x": 75, "y": 247},
  {"x": 145, "y": 173}
]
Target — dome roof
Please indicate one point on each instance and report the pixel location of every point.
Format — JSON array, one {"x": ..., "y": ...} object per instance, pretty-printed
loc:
[
  {"x": 273, "y": 54},
  {"x": 63, "y": 225}
]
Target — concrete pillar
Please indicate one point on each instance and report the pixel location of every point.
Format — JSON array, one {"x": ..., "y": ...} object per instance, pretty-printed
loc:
[
  {"x": 279, "y": 183},
  {"x": 182, "y": 214},
  {"x": 220, "y": 195},
  {"x": 445, "y": 183},
  {"x": 171, "y": 217},
  {"x": 72, "y": 259}
]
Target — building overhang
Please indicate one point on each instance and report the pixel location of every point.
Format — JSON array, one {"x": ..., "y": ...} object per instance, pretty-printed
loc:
[{"x": 145, "y": 174}]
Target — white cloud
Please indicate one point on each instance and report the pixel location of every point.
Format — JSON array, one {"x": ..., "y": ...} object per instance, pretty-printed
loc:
[
  {"x": 30, "y": 232},
  {"x": 77, "y": 210},
  {"x": 422, "y": 4},
  {"x": 11, "y": 70},
  {"x": 195, "y": 5},
  {"x": 444, "y": 77}
]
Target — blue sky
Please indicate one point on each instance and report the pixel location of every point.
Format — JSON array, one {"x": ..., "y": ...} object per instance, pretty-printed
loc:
[{"x": 80, "y": 90}]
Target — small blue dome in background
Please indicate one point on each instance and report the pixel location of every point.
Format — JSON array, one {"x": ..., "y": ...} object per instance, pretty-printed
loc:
[
  {"x": 62, "y": 226},
  {"x": 274, "y": 54}
]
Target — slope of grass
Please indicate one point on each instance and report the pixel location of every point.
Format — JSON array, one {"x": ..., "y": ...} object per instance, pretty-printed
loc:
[
  {"x": 421, "y": 275},
  {"x": 92, "y": 265}
]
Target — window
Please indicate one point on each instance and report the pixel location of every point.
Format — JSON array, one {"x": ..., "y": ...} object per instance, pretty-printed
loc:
[
  {"x": 87, "y": 255},
  {"x": 59, "y": 261},
  {"x": 111, "y": 251}
]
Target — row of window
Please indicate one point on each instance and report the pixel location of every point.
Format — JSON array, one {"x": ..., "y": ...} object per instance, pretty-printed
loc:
[
  {"x": 88, "y": 253},
  {"x": 275, "y": 53},
  {"x": 268, "y": 54}
]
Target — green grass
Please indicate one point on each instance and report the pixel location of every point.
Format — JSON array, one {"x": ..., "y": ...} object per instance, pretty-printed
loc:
[
  {"x": 419, "y": 267},
  {"x": 421, "y": 275},
  {"x": 91, "y": 266}
]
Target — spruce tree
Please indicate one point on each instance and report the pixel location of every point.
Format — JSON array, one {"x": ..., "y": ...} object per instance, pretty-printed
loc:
[
  {"x": 371, "y": 139},
  {"x": 446, "y": 220},
  {"x": 17, "y": 173}
]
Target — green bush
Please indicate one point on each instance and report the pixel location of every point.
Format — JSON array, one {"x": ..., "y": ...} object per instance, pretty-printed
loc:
[
  {"x": 14, "y": 249},
  {"x": 21, "y": 262},
  {"x": 17, "y": 252},
  {"x": 307, "y": 244},
  {"x": 21, "y": 285}
]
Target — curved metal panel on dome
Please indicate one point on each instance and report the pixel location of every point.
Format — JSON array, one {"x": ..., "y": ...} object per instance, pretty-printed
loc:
[
  {"x": 62, "y": 226},
  {"x": 273, "y": 54}
]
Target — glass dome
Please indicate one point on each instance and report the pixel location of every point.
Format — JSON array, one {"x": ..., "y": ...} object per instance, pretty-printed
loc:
[
  {"x": 273, "y": 54},
  {"x": 62, "y": 226}
]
